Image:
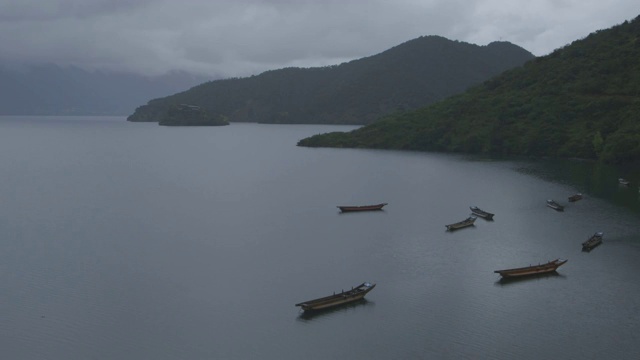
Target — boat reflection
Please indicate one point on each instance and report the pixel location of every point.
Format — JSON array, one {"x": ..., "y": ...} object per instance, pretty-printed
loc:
[
  {"x": 314, "y": 314},
  {"x": 381, "y": 211},
  {"x": 525, "y": 279},
  {"x": 588, "y": 249}
]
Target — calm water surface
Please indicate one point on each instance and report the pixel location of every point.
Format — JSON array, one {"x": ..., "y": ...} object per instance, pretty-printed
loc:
[{"x": 135, "y": 241}]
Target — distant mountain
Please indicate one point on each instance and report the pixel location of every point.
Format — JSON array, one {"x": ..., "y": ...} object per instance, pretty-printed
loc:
[
  {"x": 406, "y": 77},
  {"x": 582, "y": 100},
  {"x": 54, "y": 90}
]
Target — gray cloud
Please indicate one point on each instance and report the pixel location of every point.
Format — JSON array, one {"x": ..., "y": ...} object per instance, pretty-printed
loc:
[{"x": 237, "y": 38}]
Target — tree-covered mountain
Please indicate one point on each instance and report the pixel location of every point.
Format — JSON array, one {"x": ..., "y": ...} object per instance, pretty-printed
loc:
[
  {"x": 49, "y": 89},
  {"x": 582, "y": 100},
  {"x": 408, "y": 76},
  {"x": 190, "y": 115}
]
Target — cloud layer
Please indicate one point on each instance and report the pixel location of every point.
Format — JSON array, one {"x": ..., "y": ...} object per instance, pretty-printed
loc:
[{"x": 228, "y": 38}]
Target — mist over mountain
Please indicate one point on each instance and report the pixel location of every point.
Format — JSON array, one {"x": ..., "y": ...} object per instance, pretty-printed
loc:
[
  {"x": 54, "y": 90},
  {"x": 405, "y": 77}
]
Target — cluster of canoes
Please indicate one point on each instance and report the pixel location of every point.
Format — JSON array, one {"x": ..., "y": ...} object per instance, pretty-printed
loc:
[
  {"x": 476, "y": 212},
  {"x": 556, "y": 206},
  {"x": 358, "y": 292},
  {"x": 343, "y": 297},
  {"x": 595, "y": 239}
]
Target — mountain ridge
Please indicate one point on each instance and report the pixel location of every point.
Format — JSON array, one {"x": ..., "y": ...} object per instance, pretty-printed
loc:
[
  {"x": 404, "y": 77},
  {"x": 582, "y": 100}
]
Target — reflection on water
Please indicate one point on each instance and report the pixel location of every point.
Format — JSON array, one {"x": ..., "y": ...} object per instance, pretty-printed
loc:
[
  {"x": 529, "y": 279},
  {"x": 460, "y": 230},
  {"x": 362, "y": 213},
  {"x": 115, "y": 245},
  {"x": 590, "y": 177},
  {"x": 314, "y": 314},
  {"x": 588, "y": 250}
]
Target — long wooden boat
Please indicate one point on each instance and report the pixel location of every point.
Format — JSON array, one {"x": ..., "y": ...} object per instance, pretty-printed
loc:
[
  {"x": 575, "y": 197},
  {"x": 624, "y": 182},
  {"x": 362, "y": 208},
  {"x": 479, "y": 212},
  {"x": 551, "y": 266},
  {"x": 593, "y": 241},
  {"x": 554, "y": 205},
  {"x": 461, "y": 224},
  {"x": 343, "y": 297}
]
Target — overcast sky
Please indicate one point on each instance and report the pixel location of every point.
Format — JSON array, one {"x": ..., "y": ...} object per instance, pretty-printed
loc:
[{"x": 229, "y": 38}]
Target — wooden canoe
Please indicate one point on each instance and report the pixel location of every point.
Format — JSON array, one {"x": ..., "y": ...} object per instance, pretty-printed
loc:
[
  {"x": 479, "y": 212},
  {"x": 362, "y": 207},
  {"x": 575, "y": 197},
  {"x": 551, "y": 266},
  {"x": 554, "y": 205},
  {"x": 461, "y": 224},
  {"x": 344, "y": 297},
  {"x": 593, "y": 241}
]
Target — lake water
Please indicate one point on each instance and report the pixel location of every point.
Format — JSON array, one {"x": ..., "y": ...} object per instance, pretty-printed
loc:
[{"x": 133, "y": 241}]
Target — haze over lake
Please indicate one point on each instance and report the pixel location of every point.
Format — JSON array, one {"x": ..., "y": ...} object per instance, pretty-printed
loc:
[{"x": 124, "y": 240}]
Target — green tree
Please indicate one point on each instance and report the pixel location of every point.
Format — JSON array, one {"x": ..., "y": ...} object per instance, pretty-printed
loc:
[{"x": 598, "y": 143}]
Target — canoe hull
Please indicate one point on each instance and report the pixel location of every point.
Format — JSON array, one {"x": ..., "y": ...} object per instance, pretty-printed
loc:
[
  {"x": 592, "y": 242},
  {"x": 345, "y": 297},
  {"x": 574, "y": 198},
  {"x": 481, "y": 213},
  {"x": 549, "y": 267},
  {"x": 332, "y": 303},
  {"x": 554, "y": 205},
  {"x": 462, "y": 224},
  {"x": 362, "y": 208}
]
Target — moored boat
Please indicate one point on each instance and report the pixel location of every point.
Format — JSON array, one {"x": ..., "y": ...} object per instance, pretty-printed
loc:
[
  {"x": 344, "y": 297},
  {"x": 624, "y": 182},
  {"x": 461, "y": 224},
  {"x": 362, "y": 207},
  {"x": 575, "y": 197},
  {"x": 479, "y": 212},
  {"x": 551, "y": 266},
  {"x": 554, "y": 205},
  {"x": 593, "y": 241}
]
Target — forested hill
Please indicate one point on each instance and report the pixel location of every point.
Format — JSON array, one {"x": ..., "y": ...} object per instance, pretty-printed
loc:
[
  {"x": 582, "y": 100},
  {"x": 406, "y": 77}
]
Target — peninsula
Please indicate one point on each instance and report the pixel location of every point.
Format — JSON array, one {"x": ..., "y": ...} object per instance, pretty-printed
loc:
[{"x": 582, "y": 100}]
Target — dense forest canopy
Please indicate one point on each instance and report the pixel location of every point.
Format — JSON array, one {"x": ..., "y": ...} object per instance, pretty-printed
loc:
[
  {"x": 408, "y": 76},
  {"x": 582, "y": 100},
  {"x": 190, "y": 115}
]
